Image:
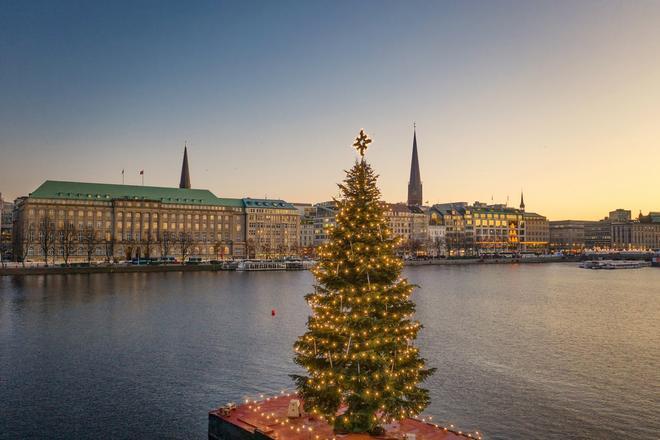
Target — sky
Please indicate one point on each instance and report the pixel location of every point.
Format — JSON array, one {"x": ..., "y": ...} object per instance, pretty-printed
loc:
[{"x": 559, "y": 99}]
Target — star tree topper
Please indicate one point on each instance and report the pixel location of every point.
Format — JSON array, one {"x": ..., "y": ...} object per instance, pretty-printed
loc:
[{"x": 362, "y": 142}]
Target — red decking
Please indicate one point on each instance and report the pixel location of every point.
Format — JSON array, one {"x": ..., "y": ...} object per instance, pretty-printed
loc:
[{"x": 270, "y": 417}]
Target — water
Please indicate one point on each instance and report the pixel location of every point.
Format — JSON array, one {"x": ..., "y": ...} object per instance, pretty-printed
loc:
[{"x": 523, "y": 351}]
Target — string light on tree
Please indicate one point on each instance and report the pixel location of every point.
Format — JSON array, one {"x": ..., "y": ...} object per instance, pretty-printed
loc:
[{"x": 358, "y": 349}]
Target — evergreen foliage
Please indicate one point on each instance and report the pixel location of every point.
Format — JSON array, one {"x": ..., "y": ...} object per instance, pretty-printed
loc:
[{"x": 358, "y": 349}]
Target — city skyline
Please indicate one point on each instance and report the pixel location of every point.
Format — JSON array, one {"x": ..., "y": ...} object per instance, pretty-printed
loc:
[{"x": 557, "y": 100}]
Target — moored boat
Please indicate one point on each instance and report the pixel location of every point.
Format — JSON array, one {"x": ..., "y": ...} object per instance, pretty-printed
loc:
[
  {"x": 614, "y": 264},
  {"x": 655, "y": 259}
]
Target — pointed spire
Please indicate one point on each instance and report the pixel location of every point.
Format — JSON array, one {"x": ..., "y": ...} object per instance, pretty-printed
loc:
[
  {"x": 415, "y": 182},
  {"x": 185, "y": 173},
  {"x": 522, "y": 201}
]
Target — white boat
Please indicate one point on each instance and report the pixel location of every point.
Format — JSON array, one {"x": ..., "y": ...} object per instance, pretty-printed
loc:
[
  {"x": 254, "y": 265},
  {"x": 590, "y": 264},
  {"x": 627, "y": 264},
  {"x": 614, "y": 264}
]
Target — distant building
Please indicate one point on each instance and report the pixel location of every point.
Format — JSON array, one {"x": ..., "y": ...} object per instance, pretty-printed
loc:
[
  {"x": 437, "y": 244},
  {"x": 620, "y": 215},
  {"x": 324, "y": 220},
  {"x": 598, "y": 234},
  {"x": 456, "y": 217},
  {"x": 484, "y": 228},
  {"x": 126, "y": 221},
  {"x": 307, "y": 234},
  {"x": 6, "y": 226},
  {"x": 76, "y": 221},
  {"x": 498, "y": 227},
  {"x": 307, "y": 213},
  {"x": 640, "y": 234},
  {"x": 273, "y": 228},
  {"x": 617, "y": 231},
  {"x": 537, "y": 231},
  {"x": 567, "y": 234},
  {"x": 410, "y": 223}
]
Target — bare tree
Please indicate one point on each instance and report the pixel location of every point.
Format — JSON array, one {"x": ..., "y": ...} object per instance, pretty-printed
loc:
[
  {"x": 148, "y": 243},
  {"x": 415, "y": 246},
  {"x": 109, "y": 247},
  {"x": 219, "y": 250},
  {"x": 47, "y": 238},
  {"x": 297, "y": 250},
  {"x": 439, "y": 245},
  {"x": 185, "y": 242},
  {"x": 66, "y": 241},
  {"x": 4, "y": 248},
  {"x": 251, "y": 248},
  {"x": 22, "y": 241},
  {"x": 166, "y": 242},
  {"x": 89, "y": 242}
]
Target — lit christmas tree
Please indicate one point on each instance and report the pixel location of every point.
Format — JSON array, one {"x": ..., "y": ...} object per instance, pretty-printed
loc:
[{"x": 358, "y": 350}]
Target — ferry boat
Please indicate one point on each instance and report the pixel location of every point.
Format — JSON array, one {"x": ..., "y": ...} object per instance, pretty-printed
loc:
[
  {"x": 627, "y": 264},
  {"x": 614, "y": 264},
  {"x": 260, "y": 265}
]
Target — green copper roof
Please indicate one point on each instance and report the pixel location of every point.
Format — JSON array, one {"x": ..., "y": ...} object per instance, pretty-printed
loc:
[
  {"x": 267, "y": 203},
  {"x": 52, "y": 189}
]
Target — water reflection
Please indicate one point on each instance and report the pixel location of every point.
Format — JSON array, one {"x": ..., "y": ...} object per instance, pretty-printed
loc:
[{"x": 537, "y": 351}]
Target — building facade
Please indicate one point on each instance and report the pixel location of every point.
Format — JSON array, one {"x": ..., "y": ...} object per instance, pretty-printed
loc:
[
  {"x": 598, "y": 234},
  {"x": 620, "y": 215},
  {"x": 307, "y": 212},
  {"x": 77, "y": 221},
  {"x": 567, "y": 234},
  {"x": 437, "y": 245},
  {"x": 641, "y": 234},
  {"x": 456, "y": 217},
  {"x": 324, "y": 221},
  {"x": 6, "y": 227},
  {"x": 273, "y": 228},
  {"x": 410, "y": 224},
  {"x": 498, "y": 228},
  {"x": 537, "y": 232}
]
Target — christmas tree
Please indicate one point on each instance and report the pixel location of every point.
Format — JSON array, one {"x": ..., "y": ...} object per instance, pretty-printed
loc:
[{"x": 358, "y": 349}]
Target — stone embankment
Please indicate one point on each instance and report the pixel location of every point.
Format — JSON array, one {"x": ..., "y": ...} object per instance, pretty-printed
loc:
[
  {"x": 127, "y": 268},
  {"x": 113, "y": 268},
  {"x": 461, "y": 261}
]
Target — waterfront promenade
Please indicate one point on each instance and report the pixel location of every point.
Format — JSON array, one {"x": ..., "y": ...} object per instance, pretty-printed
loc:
[{"x": 42, "y": 269}]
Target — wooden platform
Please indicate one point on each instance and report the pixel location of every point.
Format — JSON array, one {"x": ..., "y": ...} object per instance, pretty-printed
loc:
[{"x": 267, "y": 419}]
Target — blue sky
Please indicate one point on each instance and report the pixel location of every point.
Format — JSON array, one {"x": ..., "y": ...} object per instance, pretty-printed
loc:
[{"x": 559, "y": 98}]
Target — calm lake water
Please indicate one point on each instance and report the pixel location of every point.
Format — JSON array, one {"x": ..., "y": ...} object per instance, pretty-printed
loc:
[{"x": 523, "y": 351}]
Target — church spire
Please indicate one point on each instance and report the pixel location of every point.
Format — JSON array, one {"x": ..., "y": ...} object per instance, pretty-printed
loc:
[
  {"x": 415, "y": 182},
  {"x": 522, "y": 202},
  {"x": 185, "y": 173}
]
